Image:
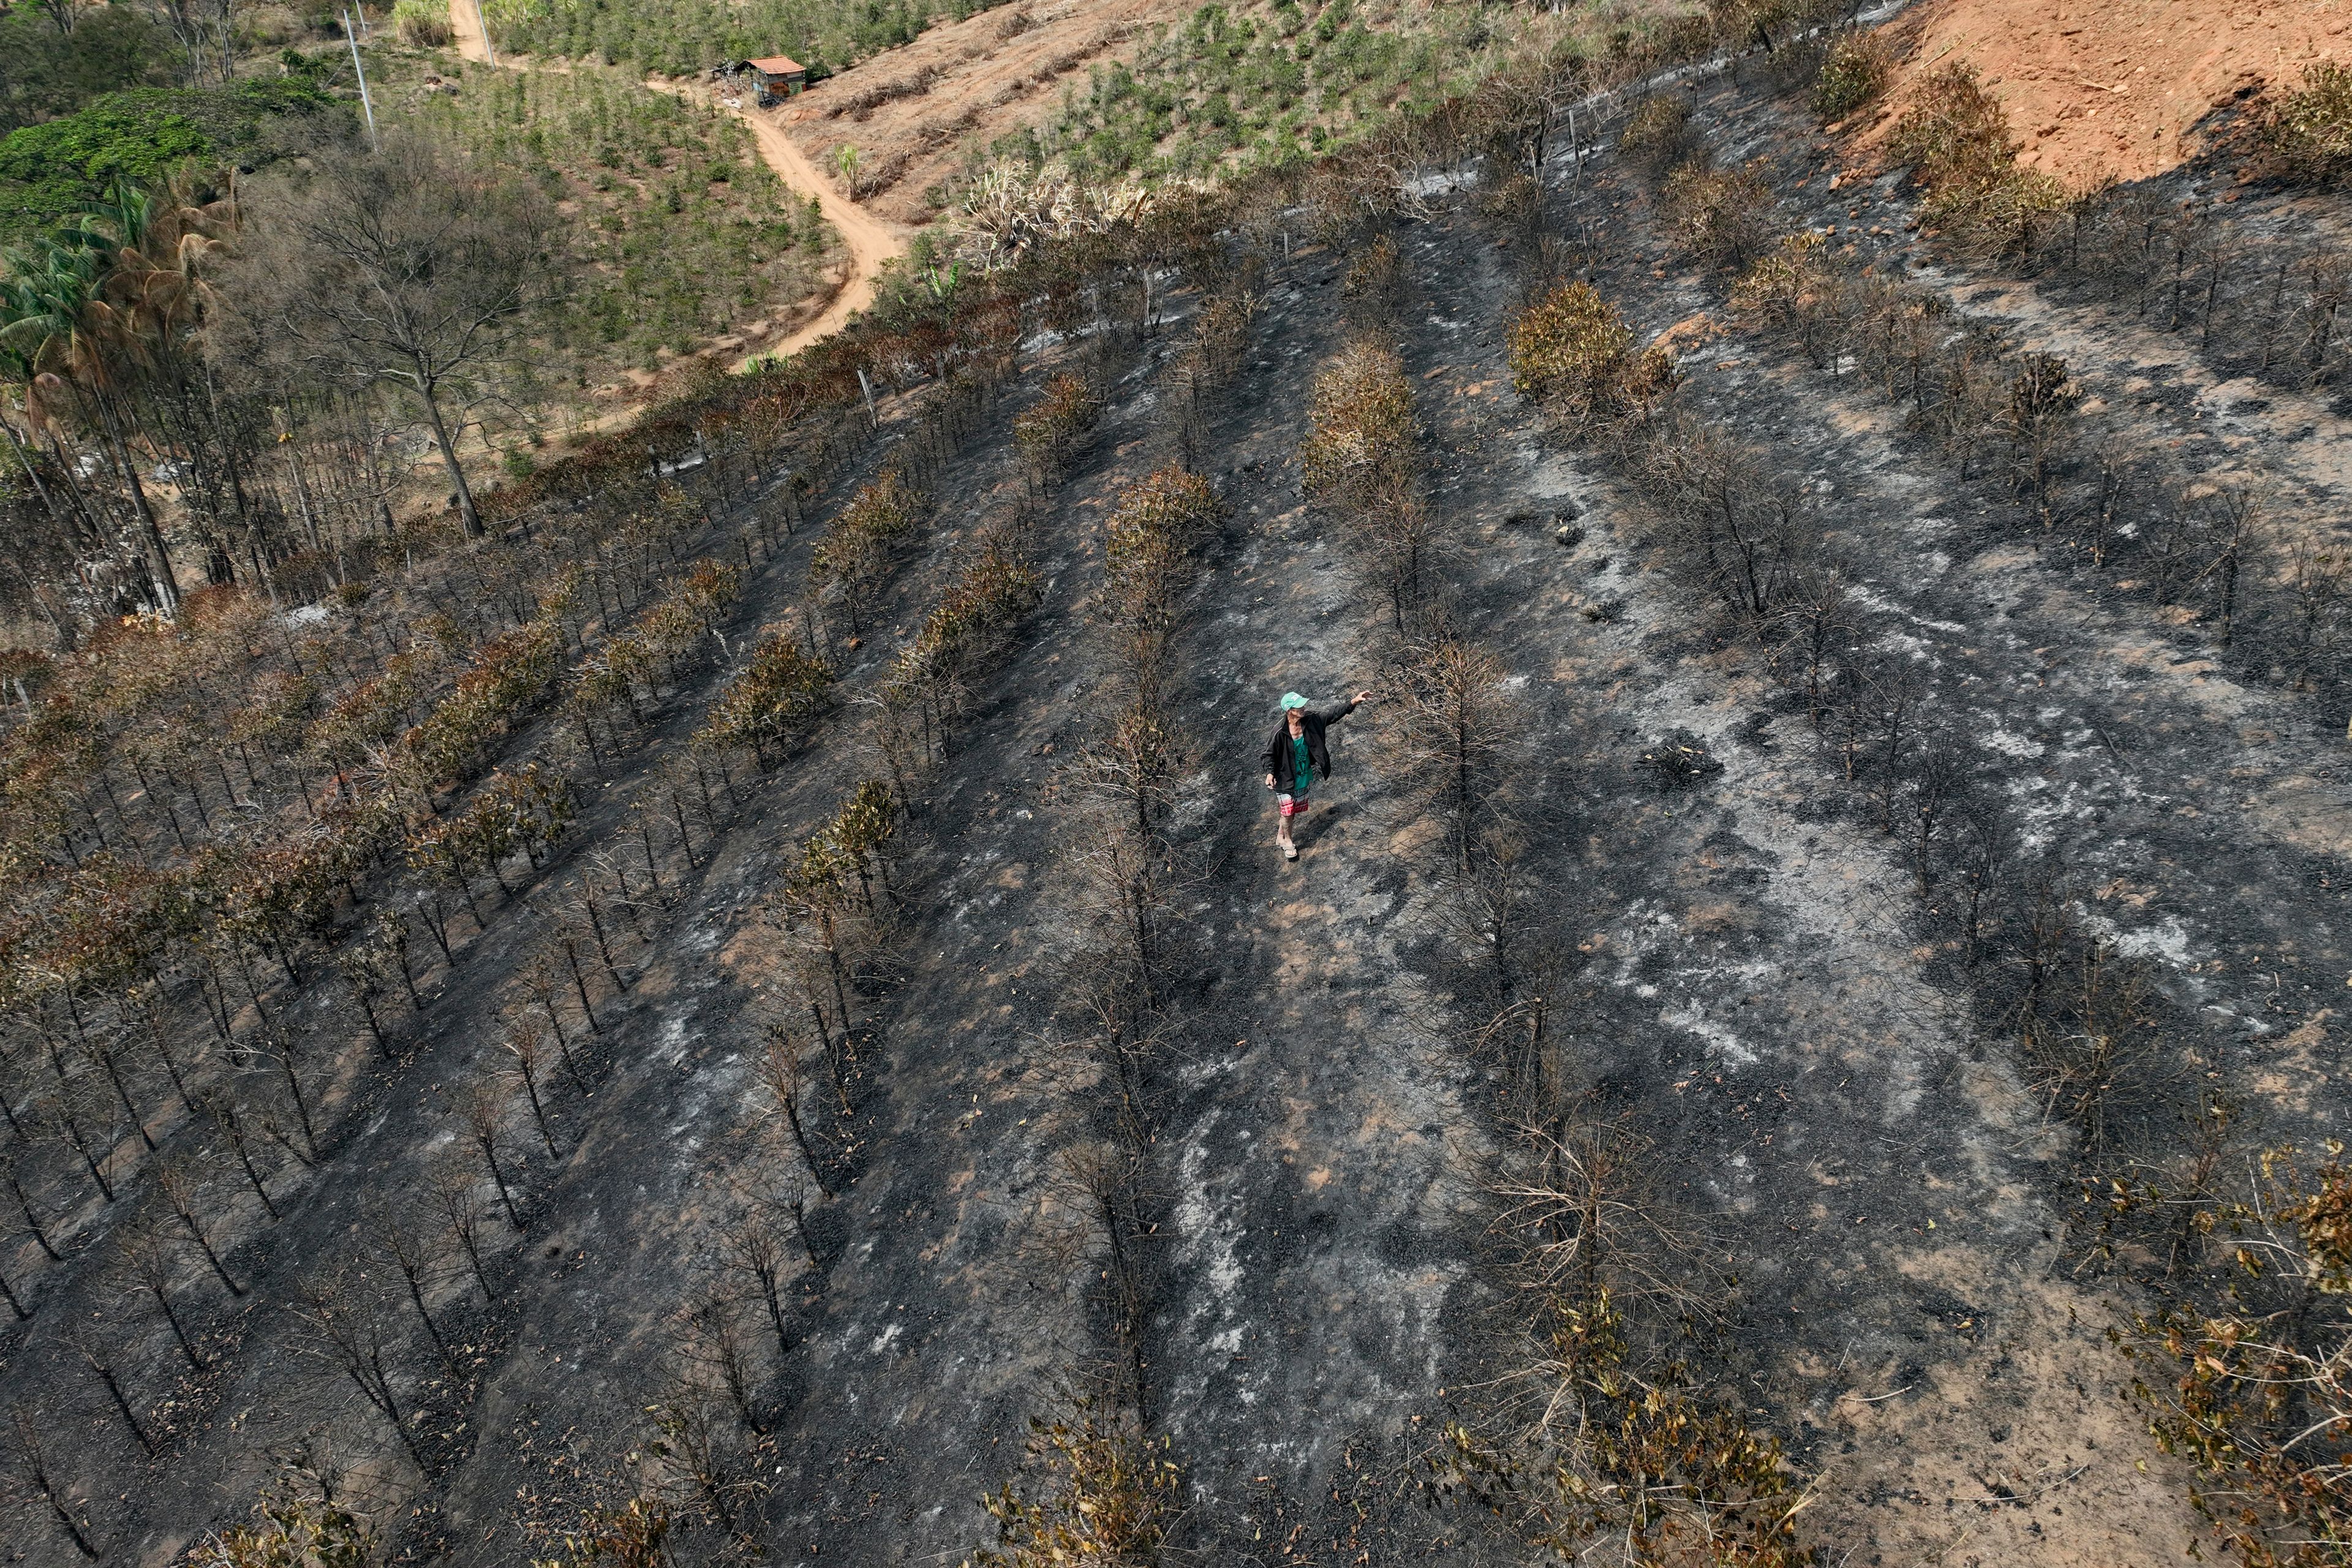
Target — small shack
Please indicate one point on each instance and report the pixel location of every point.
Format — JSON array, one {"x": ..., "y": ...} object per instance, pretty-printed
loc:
[{"x": 777, "y": 77}]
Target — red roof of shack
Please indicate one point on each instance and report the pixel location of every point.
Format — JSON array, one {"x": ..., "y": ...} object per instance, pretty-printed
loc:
[{"x": 778, "y": 65}]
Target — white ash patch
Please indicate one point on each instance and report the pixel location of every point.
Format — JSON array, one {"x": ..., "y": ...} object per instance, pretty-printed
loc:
[
  {"x": 1691, "y": 1019},
  {"x": 2165, "y": 942}
]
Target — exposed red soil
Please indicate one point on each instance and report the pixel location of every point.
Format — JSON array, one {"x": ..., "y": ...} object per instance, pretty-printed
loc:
[{"x": 2120, "y": 89}]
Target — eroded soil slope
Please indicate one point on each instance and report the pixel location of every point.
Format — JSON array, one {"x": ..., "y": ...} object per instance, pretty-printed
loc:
[{"x": 2100, "y": 89}]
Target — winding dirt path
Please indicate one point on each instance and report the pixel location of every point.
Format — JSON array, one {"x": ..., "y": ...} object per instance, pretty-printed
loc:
[
  {"x": 466, "y": 24},
  {"x": 871, "y": 241}
]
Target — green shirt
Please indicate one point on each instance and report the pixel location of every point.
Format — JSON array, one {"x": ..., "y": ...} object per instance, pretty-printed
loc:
[{"x": 1302, "y": 767}]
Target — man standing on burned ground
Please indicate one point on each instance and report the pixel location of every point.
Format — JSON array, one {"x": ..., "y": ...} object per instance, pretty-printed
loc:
[{"x": 1296, "y": 757}]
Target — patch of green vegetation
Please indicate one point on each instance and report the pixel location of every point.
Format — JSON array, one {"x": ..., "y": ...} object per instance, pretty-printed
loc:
[
  {"x": 675, "y": 232},
  {"x": 1853, "y": 74},
  {"x": 421, "y": 23},
  {"x": 51, "y": 171},
  {"x": 2308, "y": 132},
  {"x": 1236, "y": 86},
  {"x": 45, "y": 71},
  {"x": 684, "y": 38}
]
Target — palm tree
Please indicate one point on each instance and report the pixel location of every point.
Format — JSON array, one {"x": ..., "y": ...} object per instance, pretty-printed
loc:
[
  {"x": 55, "y": 327},
  {"x": 84, "y": 317},
  {"x": 155, "y": 246}
]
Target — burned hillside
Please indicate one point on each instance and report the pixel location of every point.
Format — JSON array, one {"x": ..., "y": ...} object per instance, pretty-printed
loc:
[{"x": 755, "y": 1013}]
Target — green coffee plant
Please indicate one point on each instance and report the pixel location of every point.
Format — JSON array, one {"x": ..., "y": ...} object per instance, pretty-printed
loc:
[
  {"x": 1228, "y": 90},
  {"x": 1853, "y": 75},
  {"x": 684, "y": 38},
  {"x": 679, "y": 232}
]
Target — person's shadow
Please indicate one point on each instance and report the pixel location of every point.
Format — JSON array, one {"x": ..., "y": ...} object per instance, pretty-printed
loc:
[{"x": 1315, "y": 826}]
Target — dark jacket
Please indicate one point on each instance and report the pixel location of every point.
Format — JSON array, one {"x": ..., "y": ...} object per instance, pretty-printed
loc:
[{"x": 1276, "y": 759}]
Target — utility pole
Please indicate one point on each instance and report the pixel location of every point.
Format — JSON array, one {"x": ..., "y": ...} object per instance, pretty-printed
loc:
[
  {"x": 483, "y": 22},
  {"x": 365, "y": 102}
]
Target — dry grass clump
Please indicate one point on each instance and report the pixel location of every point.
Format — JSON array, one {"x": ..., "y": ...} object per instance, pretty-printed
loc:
[
  {"x": 1102, "y": 1497},
  {"x": 1955, "y": 144},
  {"x": 1362, "y": 443},
  {"x": 2247, "y": 1372},
  {"x": 1724, "y": 217},
  {"x": 2307, "y": 134},
  {"x": 1658, "y": 134},
  {"x": 1571, "y": 352}
]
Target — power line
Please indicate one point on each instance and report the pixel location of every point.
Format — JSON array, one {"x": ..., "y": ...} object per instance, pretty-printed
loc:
[{"x": 367, "y": 103}]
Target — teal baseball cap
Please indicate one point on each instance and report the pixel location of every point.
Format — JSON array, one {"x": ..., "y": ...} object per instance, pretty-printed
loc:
[{"x": 1292, "y": 699}]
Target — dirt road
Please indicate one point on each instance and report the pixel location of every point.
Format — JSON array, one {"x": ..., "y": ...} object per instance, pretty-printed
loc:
[
  {"x": 466, "y": 23},
  {"x": 870, "y": 241}
]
